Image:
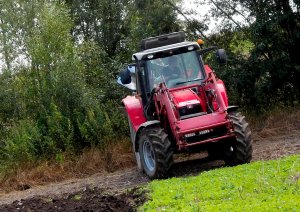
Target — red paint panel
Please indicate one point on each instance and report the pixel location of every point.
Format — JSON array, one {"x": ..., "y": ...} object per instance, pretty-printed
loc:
[
  {"x": 134, "y": 108},
  {"x": 201, "y": 123},
  {"x": 229, "y": 135},
  {"x": 185, "y": 96}
]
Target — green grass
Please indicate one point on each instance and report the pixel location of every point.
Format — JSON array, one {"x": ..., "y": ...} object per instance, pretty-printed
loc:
[{"x": 258, "y": 186}]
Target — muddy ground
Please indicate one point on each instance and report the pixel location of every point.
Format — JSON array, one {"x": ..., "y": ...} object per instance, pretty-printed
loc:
[{"x": 116, "y": 191}]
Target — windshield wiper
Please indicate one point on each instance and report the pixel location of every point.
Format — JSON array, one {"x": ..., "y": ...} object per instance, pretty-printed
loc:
[{"x": 193, "y": 80}]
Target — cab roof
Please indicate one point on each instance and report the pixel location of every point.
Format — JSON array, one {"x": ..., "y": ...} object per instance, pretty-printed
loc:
[{"x": 165, "y": 49}]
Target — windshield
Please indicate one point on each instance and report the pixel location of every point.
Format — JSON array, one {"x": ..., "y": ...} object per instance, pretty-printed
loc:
[{"x": 175, "y": 70}]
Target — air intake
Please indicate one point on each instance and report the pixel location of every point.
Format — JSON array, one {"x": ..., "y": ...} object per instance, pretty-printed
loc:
[{"x": 162, "y": 40}]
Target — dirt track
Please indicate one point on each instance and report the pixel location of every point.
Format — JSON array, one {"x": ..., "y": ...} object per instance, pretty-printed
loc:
[{"x": 108, "y": 193}]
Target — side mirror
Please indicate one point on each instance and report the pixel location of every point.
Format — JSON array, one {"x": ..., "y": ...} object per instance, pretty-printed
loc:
[
  {"x": 221, "y": 56},
  {"x": 125, "y": 78}
]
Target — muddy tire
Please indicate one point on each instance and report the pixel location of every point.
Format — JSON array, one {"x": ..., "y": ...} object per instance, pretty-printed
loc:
[
  {"x": 155, "y": 151},
  {"x": 239, "y": 151}
]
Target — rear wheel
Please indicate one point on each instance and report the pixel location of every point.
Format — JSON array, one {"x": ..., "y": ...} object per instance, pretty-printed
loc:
[
  {"x": 137, "y": 155},
  {"x": 239, "y": 151},
  {"x": 155, "y": 151}
]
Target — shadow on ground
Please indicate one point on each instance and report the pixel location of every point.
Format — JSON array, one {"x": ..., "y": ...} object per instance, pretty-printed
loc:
[{"x": 194, "y": 164}]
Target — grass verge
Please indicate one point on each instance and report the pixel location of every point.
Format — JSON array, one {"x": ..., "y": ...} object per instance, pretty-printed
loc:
[{"x": 258, "y": 186}]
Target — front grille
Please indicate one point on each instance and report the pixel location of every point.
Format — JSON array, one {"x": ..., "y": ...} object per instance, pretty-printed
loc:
[{"x": 205, "y": 134}]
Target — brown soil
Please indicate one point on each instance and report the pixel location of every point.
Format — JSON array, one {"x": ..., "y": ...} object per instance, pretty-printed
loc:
[
  {"x": 87, "y": 200},
  {"x": 116, "y": 191}
]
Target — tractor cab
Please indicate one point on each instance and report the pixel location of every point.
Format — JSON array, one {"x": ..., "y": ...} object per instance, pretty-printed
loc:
[
  {"x": 169, "y": 60},
  {"x": 173, "y": 69}
]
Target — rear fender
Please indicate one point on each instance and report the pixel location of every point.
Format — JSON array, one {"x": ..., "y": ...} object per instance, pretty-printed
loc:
[
  {"x": 208, "y": 70},
  {"x": 137, "y": 134},
  {"x": 220, "y": 85},
  {"x": 222, "y": 89},
  {"x": 134, "y": 108}
]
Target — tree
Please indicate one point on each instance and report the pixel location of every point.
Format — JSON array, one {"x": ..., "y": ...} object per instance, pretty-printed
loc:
[
  {"x": 47, "y": 107},
  {"x": 271, "y": 68},
  {"x": 101, "y": 21}
]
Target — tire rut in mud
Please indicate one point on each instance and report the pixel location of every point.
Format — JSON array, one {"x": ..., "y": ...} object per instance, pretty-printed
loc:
[{"x": 95, "y": 199}]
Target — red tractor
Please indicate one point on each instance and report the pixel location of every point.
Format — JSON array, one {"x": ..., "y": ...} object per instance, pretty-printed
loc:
[{"x": 179, "y": 105}]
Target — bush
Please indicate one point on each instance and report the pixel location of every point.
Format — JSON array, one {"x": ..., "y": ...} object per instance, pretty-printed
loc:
[
  {"x": 23, "y": 144},
  {"x": 55, "y": 107}
]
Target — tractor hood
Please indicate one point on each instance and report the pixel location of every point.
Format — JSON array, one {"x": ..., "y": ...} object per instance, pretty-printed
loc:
[
  {"x": 185, "y": 97},
  {"x": 187, "y": 103}
]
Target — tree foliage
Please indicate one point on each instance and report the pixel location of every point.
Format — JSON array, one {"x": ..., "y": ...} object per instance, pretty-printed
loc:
[
  {"x": 48, "y": 105},
  {"x": 58, "y": 91},
  {"x": 60, "y": 59},
  {"x": 266, "y": 72}
]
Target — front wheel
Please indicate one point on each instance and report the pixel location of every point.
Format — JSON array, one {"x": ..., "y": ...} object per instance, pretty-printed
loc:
[
  {"x": 155, "y": 152},
  {"x": 239, "y": 151}
]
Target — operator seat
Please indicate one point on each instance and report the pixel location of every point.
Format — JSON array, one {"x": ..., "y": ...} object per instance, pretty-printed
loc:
[{"x": 172, "y": 76}]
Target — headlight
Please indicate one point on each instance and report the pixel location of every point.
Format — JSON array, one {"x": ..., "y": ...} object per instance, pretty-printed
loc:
[{"x": 189, "y": 109}]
